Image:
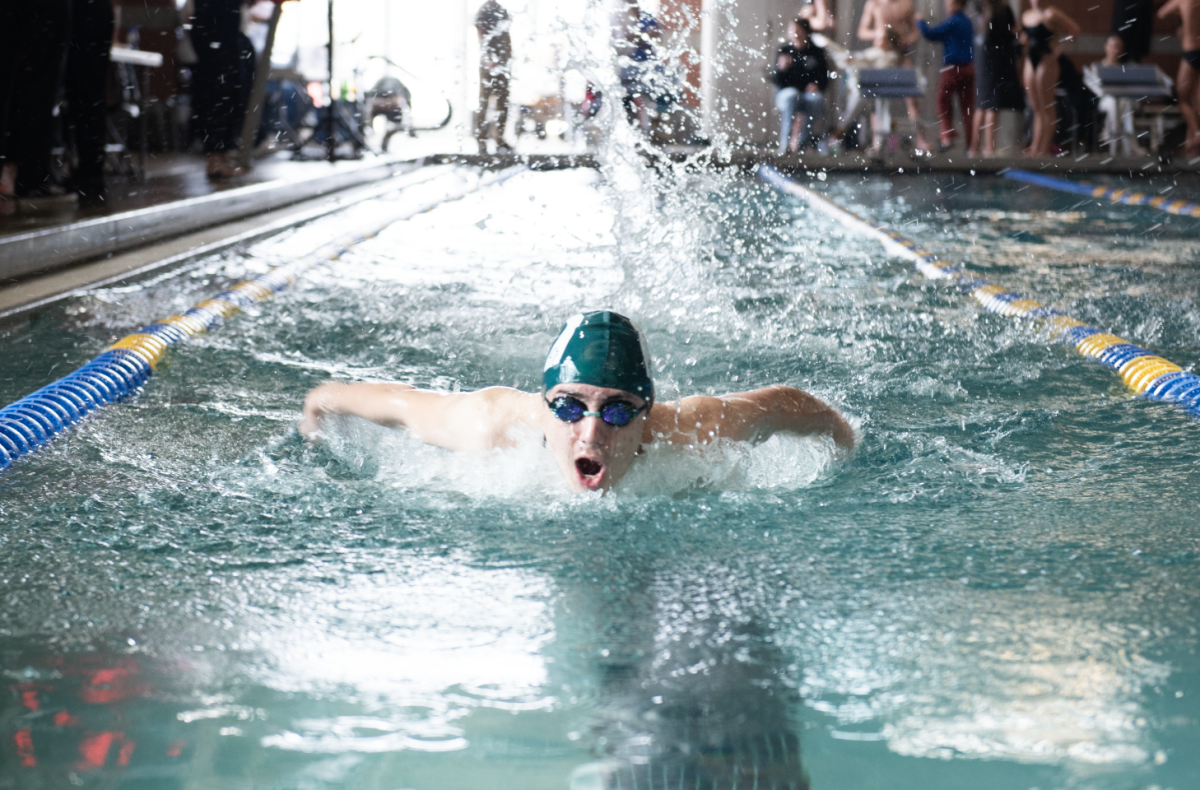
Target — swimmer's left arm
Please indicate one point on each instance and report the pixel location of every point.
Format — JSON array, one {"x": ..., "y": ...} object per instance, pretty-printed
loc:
[{"x": 749, "y": 416}]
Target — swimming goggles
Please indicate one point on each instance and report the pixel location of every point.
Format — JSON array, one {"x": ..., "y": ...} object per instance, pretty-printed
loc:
[{"x": 616, "y": 413}]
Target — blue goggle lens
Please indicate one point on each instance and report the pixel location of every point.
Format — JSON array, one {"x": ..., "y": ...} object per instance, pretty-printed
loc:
[{"x": 616, "y": 413}]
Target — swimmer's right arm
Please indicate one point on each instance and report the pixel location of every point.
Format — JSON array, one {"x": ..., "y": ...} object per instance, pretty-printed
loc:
[{"x": 477, "y": 420}]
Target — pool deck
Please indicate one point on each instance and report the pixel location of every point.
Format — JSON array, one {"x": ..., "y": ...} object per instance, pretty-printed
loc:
[
  {"x": 177, "y": 214},
  {"x": 174, "y": 198}
]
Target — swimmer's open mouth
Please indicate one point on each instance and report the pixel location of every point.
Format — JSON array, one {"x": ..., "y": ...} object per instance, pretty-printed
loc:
[{"x": 588, "y": 467}]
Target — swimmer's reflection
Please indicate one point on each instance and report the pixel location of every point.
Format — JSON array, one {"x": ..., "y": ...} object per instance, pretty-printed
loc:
[{"x": 693, "y": 692}]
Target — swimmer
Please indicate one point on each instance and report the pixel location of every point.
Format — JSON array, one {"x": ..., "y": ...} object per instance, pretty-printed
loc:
[{"x": 595, "y": 412}]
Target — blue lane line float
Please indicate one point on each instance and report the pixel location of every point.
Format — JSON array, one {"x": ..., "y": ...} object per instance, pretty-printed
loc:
[
  {"x": 1128, "y": 197},
  {"x": 119, "y": 373},
  {"x": 1144, "y": 372}
]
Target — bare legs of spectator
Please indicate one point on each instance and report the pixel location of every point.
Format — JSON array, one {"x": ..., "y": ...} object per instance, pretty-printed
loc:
[
  {"x": 914, "y": 115},
  {"x": 493, "y": 84},
  {"x": 1186, "y": 86},
  {"x": 1039, "y": 85},
  {"x": 986, "y": 122}
]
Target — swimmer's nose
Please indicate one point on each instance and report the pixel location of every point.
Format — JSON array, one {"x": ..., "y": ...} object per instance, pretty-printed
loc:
[{"x": 589, "y": 428}]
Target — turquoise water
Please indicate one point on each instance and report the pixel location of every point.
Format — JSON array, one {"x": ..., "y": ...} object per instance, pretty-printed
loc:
[{"x": 998, "y": 591}]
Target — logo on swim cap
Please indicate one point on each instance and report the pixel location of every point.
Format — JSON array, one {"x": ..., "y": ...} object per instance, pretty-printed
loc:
[{"x": 601, "y": 348}]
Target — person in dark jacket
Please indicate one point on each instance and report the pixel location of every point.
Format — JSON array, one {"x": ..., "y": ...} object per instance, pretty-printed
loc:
[
  {"x": 86, "y": 88},
  {"x": 1133, "y": 21},
  {"x": 33, "y": 39},
  {"x": 958, "y": 71},
  {"x": 221, "y": 85},
  {"x": 801, "y": 75}
]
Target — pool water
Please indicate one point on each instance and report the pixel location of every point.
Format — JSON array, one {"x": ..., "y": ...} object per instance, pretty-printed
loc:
[{"x": 999, "y": 590}]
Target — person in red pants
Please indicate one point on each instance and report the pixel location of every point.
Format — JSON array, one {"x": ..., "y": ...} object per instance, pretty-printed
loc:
[{"x": 958, "y": 72}]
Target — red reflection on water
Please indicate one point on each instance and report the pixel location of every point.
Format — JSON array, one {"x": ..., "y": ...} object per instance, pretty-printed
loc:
[
  {"x": 24, "y": 739},
  {"x": 91, "y": 696}
]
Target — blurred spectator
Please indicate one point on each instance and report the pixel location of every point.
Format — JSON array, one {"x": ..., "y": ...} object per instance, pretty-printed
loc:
[
  {"x": 1044, "y": 27},
  {"x": 640, "y": 74},
  {"x": 87, "y": 93},
  {"x": 1114, "y": 51},
  {"x": 900, "y": 16},
  {"x": 884, "y": 54},
  {"x": 1186, "y": 82},
  {"x": 958, "y": 72},
  {"x": 221, "y": 82},
  {"x": 801, "y": 75},
  {"x": 1118, "y": 113},
  {"x": 495, "y": 59},
  {"x": 1133, "y": 21},
  {"x": 821, "y": 16},
  {"x": 1076, "y": 108},
  {"x": 33, "y": 39},
  {"x": 998, "y": 82}
]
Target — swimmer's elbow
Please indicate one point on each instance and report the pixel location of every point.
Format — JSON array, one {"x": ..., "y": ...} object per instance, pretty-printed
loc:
[{"x": 796, "y": 411}]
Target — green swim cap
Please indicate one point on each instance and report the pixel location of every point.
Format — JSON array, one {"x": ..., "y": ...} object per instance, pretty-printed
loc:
[{"x": 601, "y": 348}]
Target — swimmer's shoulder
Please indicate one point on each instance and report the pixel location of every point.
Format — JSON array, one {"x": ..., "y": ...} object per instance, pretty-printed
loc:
[{"x": 507, "y": 411}]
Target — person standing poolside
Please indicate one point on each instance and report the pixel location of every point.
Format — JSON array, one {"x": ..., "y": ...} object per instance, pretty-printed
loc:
[
  {"x": 958, "y": 72},
  {"x": 1044, "y": 27},
  {"x": 595, "y": 412},
  {"x": 1118, "y": 113},
  {"x": 883, "y": 54},
  {"x": 641, "y": 76},
  {"x": 821, "y": 16},
  {"x": 221, "y": 82},
  {"x": 1133, "y": 23},
  {"x": 86, "y": 88},
  {"x": 492, "y": 23},
  {"x": 1187, "y": 81},
  {"x": 898, "y": 15},
  {"x": 33, "y": 36},
  {"x": 998, "y": 82},
  {"x": 801, "y": 75}
]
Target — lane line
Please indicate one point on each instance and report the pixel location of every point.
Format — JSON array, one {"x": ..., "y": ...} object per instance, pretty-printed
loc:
[
  {"x": 1144, "y": 372},
  {"x": 1183, "y": 208},
  {"x": 33, "y": 421}
]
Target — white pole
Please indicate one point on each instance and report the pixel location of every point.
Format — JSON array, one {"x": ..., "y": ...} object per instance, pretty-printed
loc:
[{"x": 708, "y": 51}]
